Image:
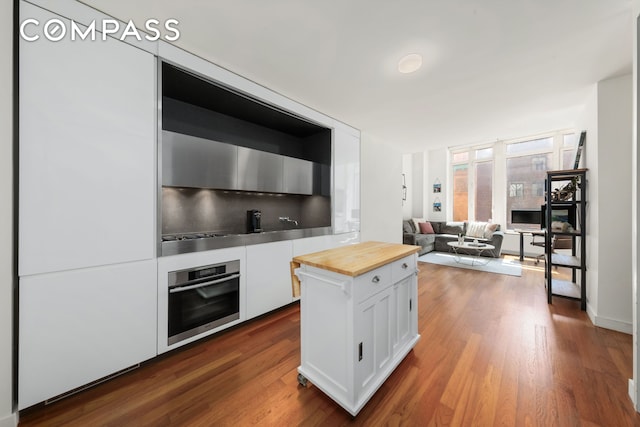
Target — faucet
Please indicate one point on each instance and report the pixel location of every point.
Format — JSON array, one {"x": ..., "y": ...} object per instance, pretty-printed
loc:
[{"x": 288, "y": 220}]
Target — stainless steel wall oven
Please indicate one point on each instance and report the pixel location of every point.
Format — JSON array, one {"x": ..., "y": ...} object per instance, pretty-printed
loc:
[{"x": 202, "y": 298}]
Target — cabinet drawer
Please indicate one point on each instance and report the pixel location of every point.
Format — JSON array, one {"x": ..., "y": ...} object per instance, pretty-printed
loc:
[
  {"x": 372, "y": 282},
  {"x": 403, "y": 268}
]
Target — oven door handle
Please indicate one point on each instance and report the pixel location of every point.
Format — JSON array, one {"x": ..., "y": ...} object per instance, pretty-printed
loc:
[{"x": 201, "y": 285}]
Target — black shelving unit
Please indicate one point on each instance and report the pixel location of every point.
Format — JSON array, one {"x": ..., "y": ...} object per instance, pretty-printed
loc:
[{"x": 573, "y": 204}]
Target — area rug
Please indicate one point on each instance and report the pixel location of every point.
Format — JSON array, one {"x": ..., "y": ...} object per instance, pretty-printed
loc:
[{"x": 495, "y": 265}]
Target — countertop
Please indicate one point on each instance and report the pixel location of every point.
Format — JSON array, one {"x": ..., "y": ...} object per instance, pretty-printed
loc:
[{"x": 354, "y": 260}]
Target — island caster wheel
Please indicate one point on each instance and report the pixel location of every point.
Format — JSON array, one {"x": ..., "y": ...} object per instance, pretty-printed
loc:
[{"x": 302, "y": 380}]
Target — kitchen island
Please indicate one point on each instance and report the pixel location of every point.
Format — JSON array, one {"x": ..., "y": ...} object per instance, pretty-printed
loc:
[{"x": 358, "y": 317}]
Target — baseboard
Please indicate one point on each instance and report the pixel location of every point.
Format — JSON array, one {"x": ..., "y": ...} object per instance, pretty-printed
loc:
[
  {"x": 614, "y": 325},
  {"x": 9, "y": 421},
  {"x": 632, "y": 393}
]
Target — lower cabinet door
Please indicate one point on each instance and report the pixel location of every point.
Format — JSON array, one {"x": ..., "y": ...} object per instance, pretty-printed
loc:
[
  {"x": 268, "y": 277},
  {"x": 78, "y": 326},
  {"x": 374, "y": 330},
  {"x": 403, "y": 309}
]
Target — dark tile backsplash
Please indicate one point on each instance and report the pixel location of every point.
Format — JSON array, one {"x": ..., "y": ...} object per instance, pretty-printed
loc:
[{"x": 187, "y": 210}]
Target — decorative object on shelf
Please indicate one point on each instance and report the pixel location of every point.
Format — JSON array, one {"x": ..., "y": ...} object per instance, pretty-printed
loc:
[
  {"x": 437, "y": 186},
  {"x": 404, "y": 189},
  {"x": 437, "y": 206},
  {"x": 583, "y": 137},
  {"x": 565, "y": 192}
]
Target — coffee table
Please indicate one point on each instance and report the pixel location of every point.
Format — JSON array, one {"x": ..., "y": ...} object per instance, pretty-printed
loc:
[{"x": 478, "y": 248}]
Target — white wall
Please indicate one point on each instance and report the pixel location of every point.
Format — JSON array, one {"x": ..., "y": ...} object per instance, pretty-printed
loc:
[
  {"x": 381, "y": 191},
  {"x": 437, "y": 169},
  {"x": 589, "y": 122},
  {"x": 418, "y": 186},
  {"x": 607, "y": 119},
  {"x": 7, "y": 417},
  {"x": 615, "y": 105},
  {"x": 407, "y": 171},
  {"x": 635, "y": 210}
]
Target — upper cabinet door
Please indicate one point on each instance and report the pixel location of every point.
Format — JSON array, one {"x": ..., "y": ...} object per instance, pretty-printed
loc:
[
  {"x": 346, "y": 178},
  {"x": 298, "y": 176},
  {"x": 259, "y": 170},
  {"x": 87, "y": 151}
]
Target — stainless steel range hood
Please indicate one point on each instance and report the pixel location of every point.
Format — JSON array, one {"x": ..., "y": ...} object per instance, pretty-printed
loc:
[{"x": 189, "y": 161}]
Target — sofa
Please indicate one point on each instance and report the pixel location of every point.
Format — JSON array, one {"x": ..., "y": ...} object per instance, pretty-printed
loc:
[{"x": 444, "y": 232}]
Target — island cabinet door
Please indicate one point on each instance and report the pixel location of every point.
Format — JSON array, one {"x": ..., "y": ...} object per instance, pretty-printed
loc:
[
  {"x": 403, "y": 304},
  {"x": 375, "y": 323}
]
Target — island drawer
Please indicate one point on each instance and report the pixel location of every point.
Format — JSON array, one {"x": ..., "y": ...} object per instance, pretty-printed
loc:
[
  {"x": 403, "y": 267},
  {"x": 372, "y": 282}
]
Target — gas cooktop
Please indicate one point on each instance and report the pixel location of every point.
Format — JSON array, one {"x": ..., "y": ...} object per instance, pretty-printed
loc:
[{"x": 190, "y": 236}]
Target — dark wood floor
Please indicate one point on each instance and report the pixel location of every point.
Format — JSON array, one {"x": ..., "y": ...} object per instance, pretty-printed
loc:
[{"x": 492, "y": 352}]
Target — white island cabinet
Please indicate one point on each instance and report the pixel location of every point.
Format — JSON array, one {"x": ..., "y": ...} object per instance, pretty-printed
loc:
[{"x": 358, "y": 316}]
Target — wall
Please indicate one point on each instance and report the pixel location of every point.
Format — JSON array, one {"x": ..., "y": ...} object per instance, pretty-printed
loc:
[
  {"x": 614, "y": 201},
  {"x": 189, "y": 210},
  {"x": 7, "y": 417},
  {"x": 418, "y": 185},
  {"x": 635, "y": 209},
  {"x": 381, "y": 193},
  {"x": 607, "y": 119},
  {"x": 437, "y": 161},
  {"x": 407, "y": 172}
]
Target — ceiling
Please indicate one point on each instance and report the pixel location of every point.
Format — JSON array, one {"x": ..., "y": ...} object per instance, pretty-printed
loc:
[{"x": 495, "y": 69}]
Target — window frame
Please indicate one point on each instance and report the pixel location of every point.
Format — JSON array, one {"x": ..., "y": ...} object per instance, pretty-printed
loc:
[{"x": 500, "y": 191}]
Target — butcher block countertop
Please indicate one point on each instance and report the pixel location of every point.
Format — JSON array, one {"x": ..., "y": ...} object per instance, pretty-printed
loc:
[{"x": 354, "y": 260}]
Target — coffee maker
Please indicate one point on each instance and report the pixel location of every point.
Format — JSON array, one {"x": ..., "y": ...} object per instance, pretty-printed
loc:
[{"x": 253, "y": 221}]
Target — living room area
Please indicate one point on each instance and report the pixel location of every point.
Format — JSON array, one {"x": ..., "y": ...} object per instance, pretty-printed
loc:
[{"x": 485, "y": 184}]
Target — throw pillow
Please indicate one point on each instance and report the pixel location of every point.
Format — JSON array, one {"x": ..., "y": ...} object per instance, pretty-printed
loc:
[
  {"x": 476, "y": 229},
  {"x": 426, "y": 228},
  {"x": 407, "y": 227},
  {"x": 489, "y": 229},
  {"x": 416, "y": 223}
]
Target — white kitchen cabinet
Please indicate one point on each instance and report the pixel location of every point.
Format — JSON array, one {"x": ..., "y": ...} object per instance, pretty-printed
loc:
[
  {"x": 311, "y": 244},
  {"x": 357, "y": 324},
  {"x": 79, "y": 326},
  {"x": 346, "y": 178},
  {"x": 87, "y": 151},
  {"x": 268, "y": 277}
]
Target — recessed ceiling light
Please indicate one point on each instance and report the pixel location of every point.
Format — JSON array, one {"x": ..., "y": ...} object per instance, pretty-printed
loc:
[{"x": 410, "y": 63}]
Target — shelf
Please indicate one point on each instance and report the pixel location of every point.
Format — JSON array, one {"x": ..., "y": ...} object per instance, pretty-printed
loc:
[
  {"x": 566, "y": 203},
  {"x": 564, "y": 288},
  {"x": 576, "y": 207},
  {"x": 563, "y": 174},
  {"x": 576, "y": 233},
  {"x": 565, "y": 261}
]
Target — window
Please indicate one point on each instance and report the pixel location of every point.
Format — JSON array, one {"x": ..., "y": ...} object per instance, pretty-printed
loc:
[
  {"x": 484, "y": 190},
  {"x": 460, "y": 192},
  {"x": 526, "y": 169},
  {"x": 490, "y": 180},
  {"x": 472, "y": 184},
  {"x": 568, "y": 151},
  {"x": 516, "y": 189}
]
